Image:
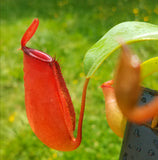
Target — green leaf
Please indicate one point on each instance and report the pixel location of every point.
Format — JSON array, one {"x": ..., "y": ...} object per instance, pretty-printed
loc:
[
  {"x": 148, "y": 67},
  {"x": 128, "y": 32}
]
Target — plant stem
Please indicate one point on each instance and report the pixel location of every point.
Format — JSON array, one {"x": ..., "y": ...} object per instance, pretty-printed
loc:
[{"x": 80, "y": 122}]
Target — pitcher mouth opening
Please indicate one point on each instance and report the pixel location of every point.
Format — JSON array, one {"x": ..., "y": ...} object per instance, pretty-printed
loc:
[{"x": 37, "y": 54}]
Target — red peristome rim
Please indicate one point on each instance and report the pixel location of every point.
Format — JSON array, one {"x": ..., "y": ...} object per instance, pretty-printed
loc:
[
  {"x": 107, "y": 84},
  {"x": 37, "y": 54}
]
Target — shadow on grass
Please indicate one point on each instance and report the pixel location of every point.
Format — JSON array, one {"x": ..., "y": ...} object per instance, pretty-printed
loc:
[
  {"x": 104, "y": 14},
  {"x": 100, "y": 9}
]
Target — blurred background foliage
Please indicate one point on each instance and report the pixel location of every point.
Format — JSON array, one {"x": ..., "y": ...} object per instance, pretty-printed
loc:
[{"x": 67, "y": 30}]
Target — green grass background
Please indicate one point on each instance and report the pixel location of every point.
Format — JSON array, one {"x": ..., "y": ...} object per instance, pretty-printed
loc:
[{"x": 67, "y": 30}]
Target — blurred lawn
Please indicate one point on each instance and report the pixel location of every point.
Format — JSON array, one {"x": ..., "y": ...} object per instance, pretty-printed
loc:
[{"x": 67, "y": 30}]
